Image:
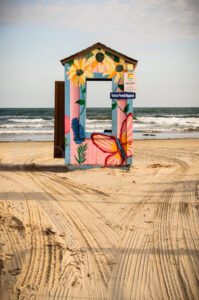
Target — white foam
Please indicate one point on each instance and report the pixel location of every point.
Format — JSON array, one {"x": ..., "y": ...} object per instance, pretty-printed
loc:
[
  {"x": 28, "y": 132},
  {"x": 90, "y": 121},
  {"x": 26, "y": 125},
  {"x": 29, "y": 120},
  {"x": 169, "y": 121}
]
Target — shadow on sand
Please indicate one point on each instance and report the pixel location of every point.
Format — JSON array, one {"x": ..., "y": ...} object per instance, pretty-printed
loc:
[{"x": 33, "y": 168}]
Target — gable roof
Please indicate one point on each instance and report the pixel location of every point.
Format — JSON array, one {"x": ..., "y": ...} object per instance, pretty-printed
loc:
[{"x": 99, "y": 45}]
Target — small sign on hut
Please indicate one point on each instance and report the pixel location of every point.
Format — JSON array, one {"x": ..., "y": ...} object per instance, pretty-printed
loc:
[{"x": 82, "y": 149}]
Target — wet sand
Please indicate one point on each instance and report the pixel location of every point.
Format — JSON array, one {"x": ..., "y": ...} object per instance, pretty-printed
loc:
[{"x": 101, "y": 233}]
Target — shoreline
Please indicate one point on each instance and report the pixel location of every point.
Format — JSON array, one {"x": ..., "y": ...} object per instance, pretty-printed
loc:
[{"x": 134, "y": 140}]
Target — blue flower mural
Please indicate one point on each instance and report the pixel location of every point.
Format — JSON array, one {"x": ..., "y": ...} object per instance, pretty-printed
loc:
[{"x": 78, "y": 130}]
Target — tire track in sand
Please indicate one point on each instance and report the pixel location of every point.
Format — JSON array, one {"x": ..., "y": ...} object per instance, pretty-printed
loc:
[
  {"x": 40, "y": 258},
  {"x": 80, "y": 222}
]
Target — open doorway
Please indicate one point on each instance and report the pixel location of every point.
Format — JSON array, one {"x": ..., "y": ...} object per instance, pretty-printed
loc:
[{"x": 98, "y": 105}]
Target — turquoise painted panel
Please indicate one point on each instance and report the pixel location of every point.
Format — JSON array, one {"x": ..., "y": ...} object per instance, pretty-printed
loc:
[
  {"x": 114, "y": 109},
  {"x": 88, "y": 134},
  {"x": 67, "y": 115},
  {"x": 86, "y": 167},
  {"x": 82, "y": 116}
]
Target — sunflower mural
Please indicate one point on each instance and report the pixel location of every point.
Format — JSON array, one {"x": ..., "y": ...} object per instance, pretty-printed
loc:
[
  {"x": 79, "y": 71},
  {"x": 117, "y": 70},
  {"x": 109, "y": 65},
  {"x": 85, "y": 149},
  {"x": 100, "y": 59}
]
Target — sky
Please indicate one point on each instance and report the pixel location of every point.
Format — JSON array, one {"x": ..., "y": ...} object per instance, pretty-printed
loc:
[{"x": 163, "y": 35}]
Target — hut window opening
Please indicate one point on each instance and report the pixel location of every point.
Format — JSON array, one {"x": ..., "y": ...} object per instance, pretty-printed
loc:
[{"x": 98, "y": 105}]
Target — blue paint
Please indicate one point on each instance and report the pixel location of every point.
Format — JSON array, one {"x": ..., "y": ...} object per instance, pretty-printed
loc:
[
  {"x": 129, "y": 160},
  {"x": 78, "y": 131},
  {"x": 114, "y": 111},
  {"x": 86, "y": 167},
  {"x": 121, "y": 149},
  {"x": 82, "y": 117},
  {"x": 67, "y": 113},
  {"x": 99, "y": 75},
  {"x": 130, "y": 103},
  {"x": 87, "y": 135}
]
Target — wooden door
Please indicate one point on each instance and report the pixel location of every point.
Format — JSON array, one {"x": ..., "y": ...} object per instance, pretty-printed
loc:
[{"x": 59, "y": 132}]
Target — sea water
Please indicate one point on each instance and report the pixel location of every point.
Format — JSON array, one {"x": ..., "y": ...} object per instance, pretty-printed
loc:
[{"x": 37, "y": 124}]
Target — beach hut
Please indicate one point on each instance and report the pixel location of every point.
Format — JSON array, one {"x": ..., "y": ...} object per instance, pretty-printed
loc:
[{"x": 82, "y": 149}]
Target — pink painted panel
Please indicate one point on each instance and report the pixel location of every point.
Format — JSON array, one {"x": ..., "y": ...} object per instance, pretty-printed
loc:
[
  {"x": 95, "y": 70},
  {"x": 93, "y": 154},
  {"x": 105, "y": 69},
  {"x": 99, "y": 69},
  {"x": 120, "y": 115}
]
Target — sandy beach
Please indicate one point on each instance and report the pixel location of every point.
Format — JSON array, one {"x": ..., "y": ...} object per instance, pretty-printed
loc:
[{"x": 100, "y": 233}]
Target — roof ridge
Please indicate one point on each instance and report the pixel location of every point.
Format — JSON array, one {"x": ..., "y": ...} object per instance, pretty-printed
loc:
[{"x": 98, "y": 44}]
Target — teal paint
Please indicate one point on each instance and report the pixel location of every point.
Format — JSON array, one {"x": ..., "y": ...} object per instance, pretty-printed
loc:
[
  {"x": 86, "y": 167},
  {"x": 114, "y": 111},
  {"x": 88, "y": 134},
  {"x": 67, "y": 113},
  {"x": 82, "y": 111}
]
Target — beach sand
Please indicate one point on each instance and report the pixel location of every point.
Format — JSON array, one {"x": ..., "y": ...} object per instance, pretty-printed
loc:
[{"x": 100, "y": 233}]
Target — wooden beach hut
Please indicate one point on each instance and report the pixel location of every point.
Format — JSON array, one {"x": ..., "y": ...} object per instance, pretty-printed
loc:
[{"x": 82, "y": 149}]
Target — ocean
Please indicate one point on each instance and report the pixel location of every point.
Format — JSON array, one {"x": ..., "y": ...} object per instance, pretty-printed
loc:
[{"x": 37, "y": 124}]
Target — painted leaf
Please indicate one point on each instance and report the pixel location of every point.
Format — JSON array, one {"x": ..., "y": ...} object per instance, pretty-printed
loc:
[
  {"x": 80, "y": 101},
  {"x": 121, "y": 87},
  {"x": 126, "y": 108},
  {"x": 81, "y": 153},
  {"x": 77, "y": 160},
  {"x": 88, "y": 55},
  {"x": 84, "y": 90},
  {"x": 114, "y": 105},
  {"x": 82, "y": 110},
  {"x": 108, "y": 53},
  {"x": 71, "y": 62},
  {"x": 85, "y": 147},
  {"x": 116, "y": 58}
]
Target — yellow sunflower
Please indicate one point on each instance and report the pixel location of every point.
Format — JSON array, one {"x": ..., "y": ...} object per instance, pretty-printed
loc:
[
  {"x": 79, "y": 71},
  {"x": 100, "y": 59},
  {"x": 117, "y": 70}
]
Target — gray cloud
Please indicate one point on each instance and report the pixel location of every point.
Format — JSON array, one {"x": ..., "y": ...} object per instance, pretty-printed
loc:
[{"x": 153, "y": 20}]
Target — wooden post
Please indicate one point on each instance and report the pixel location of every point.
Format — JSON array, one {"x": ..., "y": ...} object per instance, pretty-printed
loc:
[{"x": 59, "y": 132}]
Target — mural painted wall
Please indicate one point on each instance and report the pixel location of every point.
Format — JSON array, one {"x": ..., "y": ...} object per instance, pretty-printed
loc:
[{"x": 96, "y": 149}]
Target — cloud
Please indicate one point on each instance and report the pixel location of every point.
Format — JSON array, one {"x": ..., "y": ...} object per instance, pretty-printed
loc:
[{"x": 148, "y": 20}]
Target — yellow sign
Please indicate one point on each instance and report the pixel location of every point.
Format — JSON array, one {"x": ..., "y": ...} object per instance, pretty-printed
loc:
[{"x": 130, "y": 75}]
